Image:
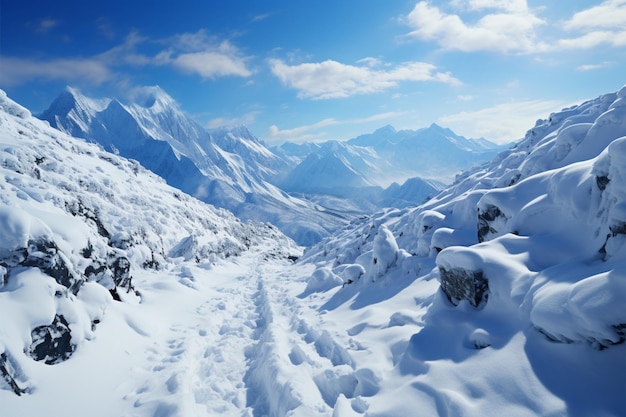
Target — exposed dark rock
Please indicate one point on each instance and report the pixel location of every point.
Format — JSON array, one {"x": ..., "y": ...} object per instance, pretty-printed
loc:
[
  {"x": 96, "y": 271},
  {"x": 87, "y": 252},
  {"x": 115, "y": 294},
  {"x": 77, "y": 208},
  {"x": 514, "y": 179},
  {"x": 485, "y": 219},
  {"x": 12, "y": 374},
  {"x": 152, "y": 263},
  {"x": 121, "y": 271},
  {"x": 45, "y": 255},
  {"x": 52, "y": 343},
  {"x": 461, "y": 284},
  {"x": 602, "y": 182},
  {"x": 616, "y": 229}
]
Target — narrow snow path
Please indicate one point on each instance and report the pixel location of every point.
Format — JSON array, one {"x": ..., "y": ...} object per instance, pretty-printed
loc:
[
  {"x": 199, "y": 369},
  {"x": 236, "y": 343}
]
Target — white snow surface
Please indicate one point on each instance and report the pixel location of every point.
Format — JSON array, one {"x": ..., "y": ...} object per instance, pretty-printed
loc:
[{"x": 359, "y": 326}]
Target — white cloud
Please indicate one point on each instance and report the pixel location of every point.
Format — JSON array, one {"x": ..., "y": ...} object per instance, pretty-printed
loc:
[
  {"x": 594, "y": 39},
  {"x": 609, "y": 14},
  {"x": 510, "y": 28},
  {"x": 332, "y": 79},
  {"x": 211, "y": 64},
  {"x": 477, "y": 5},
  {"x": 198, "y": 53},
  {"x": 598, "y": 25},
  {"x": 502, "y": 123},
  {"x": 299, "y": 134}
]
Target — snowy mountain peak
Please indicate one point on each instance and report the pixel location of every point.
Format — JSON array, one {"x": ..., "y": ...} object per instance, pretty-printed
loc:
[
  {"x": 385, "y": 130},
  {"x": 154, "y": 98}
]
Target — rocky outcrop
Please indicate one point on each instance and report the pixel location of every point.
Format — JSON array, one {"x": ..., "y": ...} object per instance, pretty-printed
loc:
[
  {"x": 12, "y": 374},
  {"x": 44, "y": 254},
  {"x": 487, "y": 217},
  {"x": 461, "y": 284},
  {"x": 52, "y": 343}
]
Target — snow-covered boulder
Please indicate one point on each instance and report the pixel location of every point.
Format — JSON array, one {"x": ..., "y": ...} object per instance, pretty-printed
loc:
[
  {"x": 323, "y": 279},
  {"x": 385, "y": 252}
]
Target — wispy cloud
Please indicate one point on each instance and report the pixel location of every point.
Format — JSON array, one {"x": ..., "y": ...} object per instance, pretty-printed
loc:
[
  {"x": 501, "y": 123},
  {"x": 260, "y": 17},
  {"x": 509, "y": 26},
  {"x": 44, "y": 25},
  {"x": 331, "y": 79},
  {"x": 593, "y": 67},
  {"x": 245, "y": 119},
  {"x": 315, "y": 133},
  {"x": 16, "y": 71}
]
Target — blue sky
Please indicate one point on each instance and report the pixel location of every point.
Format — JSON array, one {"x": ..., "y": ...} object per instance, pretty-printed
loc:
[{"x": 324, "y": 69}]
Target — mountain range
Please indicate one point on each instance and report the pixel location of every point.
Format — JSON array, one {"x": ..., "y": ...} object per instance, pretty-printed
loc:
[
  {"x": 225, "y": 167},
  {"x": 307, "y": 190}
]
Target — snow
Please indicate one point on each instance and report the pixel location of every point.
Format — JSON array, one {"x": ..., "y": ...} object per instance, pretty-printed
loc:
[
  {"x": 227, "y": 167},
  {"x": 220, "y": 320}
]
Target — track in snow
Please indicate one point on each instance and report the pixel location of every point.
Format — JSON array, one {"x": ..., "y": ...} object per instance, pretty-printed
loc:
[{"x": 242, "y": 348}]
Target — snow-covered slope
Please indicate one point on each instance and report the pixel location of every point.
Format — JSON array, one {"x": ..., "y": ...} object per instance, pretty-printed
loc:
[
  {"x": 227, "y": 167},
  {"x": 503, "y": 295},
  {"x": 78, "y": 223}
]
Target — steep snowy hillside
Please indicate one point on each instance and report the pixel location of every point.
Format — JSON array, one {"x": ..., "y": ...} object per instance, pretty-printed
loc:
[
  {"x": 503, "y": 295},
  {"x": 79, "y": 225},
  {"x": 225, "y": 167}
]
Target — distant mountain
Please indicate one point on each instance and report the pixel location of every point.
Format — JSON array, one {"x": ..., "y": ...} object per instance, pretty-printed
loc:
[
  {"x": 227, "y": 167},
  {"x": 412, "y": 192},
  {"x": 384, "y": 157},
  {"x": 432, "y": 152},
  {"x": 371, "y": 167}
]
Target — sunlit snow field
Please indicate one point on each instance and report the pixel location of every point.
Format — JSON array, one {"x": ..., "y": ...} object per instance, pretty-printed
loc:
[{"x": 531, "y": 322}]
